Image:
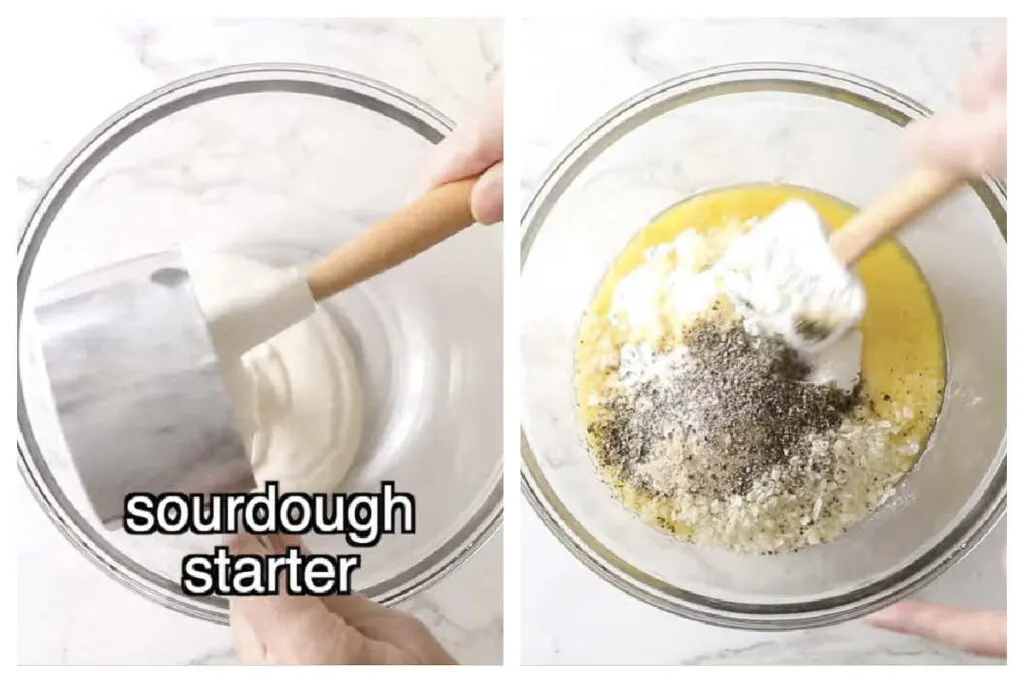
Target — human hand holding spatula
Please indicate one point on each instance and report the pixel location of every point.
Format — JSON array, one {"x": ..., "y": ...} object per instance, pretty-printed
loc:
[{"x": 268, "y": 308}]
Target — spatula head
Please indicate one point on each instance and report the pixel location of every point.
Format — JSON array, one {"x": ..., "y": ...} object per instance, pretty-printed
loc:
[{"x": 137, "y": 386}]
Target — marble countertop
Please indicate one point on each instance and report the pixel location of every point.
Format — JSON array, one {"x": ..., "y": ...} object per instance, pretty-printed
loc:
[
  {"x": 73, "y": 76},
  {"x": 569, "y": 614}
]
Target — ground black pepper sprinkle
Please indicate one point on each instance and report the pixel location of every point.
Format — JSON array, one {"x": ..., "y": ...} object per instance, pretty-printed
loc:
[{"x": 728, "y": 411}]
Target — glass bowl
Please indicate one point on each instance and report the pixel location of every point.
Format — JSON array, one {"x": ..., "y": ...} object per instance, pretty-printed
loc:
[
  {"x": 755, "y": 123},
  {"x": 283, "y": 163}
]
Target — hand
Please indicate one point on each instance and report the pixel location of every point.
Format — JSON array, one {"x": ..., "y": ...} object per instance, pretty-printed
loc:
[
  {"x": 477, "y": 148},
  {"x": 293, "y": 629},
  {"x": 973, "y": 139},
  {"x": 980, "y": 633}
]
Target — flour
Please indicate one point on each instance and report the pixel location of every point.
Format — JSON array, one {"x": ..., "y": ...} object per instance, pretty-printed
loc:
[
  {"x": 637, "y": 299},
  {"x": 680, "y": 280},
  {"x": 735, "y": 448}
]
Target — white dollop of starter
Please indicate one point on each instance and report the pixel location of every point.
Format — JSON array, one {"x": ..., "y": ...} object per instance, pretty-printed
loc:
[{"x": 297, "y": 396}]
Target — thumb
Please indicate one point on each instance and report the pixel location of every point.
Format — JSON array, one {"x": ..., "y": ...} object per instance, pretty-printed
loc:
[
  {"x": 474, "y": 146},
  {"x": 249, "y": 648},
  {"x": 985, "y": 80},
  {"x": 969, "y": 142},
  {"x": 274, "y": 621},
  {"x": 981, "y": 633},
  {"x": 488, "y": 198}
]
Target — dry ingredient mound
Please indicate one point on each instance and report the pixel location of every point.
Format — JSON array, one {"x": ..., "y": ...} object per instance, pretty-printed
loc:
[
  {"x": 734, "y": 447},
  {"x": 727, "y": 410}
]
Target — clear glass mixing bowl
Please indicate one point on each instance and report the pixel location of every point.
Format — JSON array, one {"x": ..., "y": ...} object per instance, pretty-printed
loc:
[
  {"x": 754, "y": 123},
  {"x": 283, "y": 163}
]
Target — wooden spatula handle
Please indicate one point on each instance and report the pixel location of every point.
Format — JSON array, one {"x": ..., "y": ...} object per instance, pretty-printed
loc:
[
  {"x": 903, "y": 203},
  {"x": 431, "y": 219}
]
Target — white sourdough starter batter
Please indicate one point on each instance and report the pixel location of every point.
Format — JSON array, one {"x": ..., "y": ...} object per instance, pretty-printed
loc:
[{"x": 297, "y": 395}]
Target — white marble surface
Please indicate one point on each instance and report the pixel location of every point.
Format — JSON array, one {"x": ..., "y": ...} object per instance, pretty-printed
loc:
[
  {"x": 73, "y": 76},
  {"x": 569, "y": 615}
]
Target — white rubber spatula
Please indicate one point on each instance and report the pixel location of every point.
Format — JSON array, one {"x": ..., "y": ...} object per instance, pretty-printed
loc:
[
  {"x": 793, "y": 278},
  {"x": 271, "y": 307},
  {"x": 913, "y": 196}
]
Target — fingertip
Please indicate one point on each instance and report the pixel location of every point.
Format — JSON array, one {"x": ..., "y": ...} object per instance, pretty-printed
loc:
[
  {"x": 994, "y": 65},
  {"x": 353, "y": 608},
  {"x": 487, "y": 199},
  {"x": 893, "y": 617},
  {"x": 496, "y": 117},
  {"x": 464, "y": 153},
  {"x": 245, "y": 543},
  {"x": 249, "y": 647},
  {"x": 961, "y": 142},
  {"x": 982, "y": 633},
  {"x": 933, "y": 135},
  {"x": 282, "y": 542},
  {"x": 267, "y": 616}
]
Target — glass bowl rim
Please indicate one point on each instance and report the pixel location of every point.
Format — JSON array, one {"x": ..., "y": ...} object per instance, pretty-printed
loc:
[
  {"x": 176, "y": 96},
  {"x": 791, "y": 77}
]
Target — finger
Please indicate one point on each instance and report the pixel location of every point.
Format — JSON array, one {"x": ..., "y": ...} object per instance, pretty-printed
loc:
[
  {"x": 266, "y": 615},
  {"x": 344, "y": 606},
  {"x": 382, "y": 626},
  {"x": 280, "y": 543},
  {"x": 467, "y": 152},
  {"x": 356, "y": 610},
  {"x": 293, "y": 629},
  {"x": 973, "y": 143},
  {"x": 985, "y": 80},
  {"x": 249, "y": 647},
  {"x": 249, "y": 544},
  {"x": 266, "y": 544},
  {"x": 982, "y": 633},
  {"x": 474, "y": 146},
  {"x": 487, "y": 201}
]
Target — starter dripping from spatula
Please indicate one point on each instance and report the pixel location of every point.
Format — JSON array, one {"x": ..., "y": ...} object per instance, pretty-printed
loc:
[
  {"x": 789, "y": 276},
  {"x": 274, "y": 304}
]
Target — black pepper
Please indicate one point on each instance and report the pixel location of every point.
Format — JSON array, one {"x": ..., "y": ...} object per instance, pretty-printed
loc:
[{"x": 741, "y": 406}]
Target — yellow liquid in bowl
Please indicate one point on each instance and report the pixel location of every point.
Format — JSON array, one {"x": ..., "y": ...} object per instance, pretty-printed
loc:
[{"x": 903, "y": 353}]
